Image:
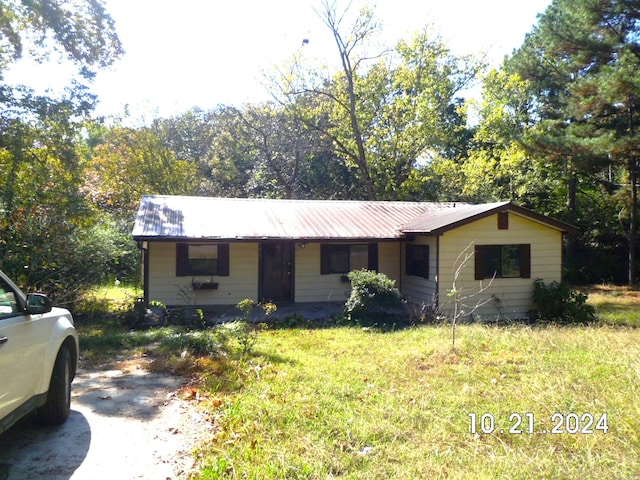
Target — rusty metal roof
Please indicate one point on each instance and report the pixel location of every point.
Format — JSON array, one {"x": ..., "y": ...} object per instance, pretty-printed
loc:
[
  {"x": 168, "y": 216},
  {"x": 181, "y": 217}
]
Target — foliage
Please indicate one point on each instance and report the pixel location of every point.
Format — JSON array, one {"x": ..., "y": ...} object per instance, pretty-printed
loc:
[
  {"x": 582, "y": 65},
  {"x": 84, "y": 31},
  {"x": 49, "y": 237},
  {"x": 374, "y": 301},
  {"x": 128, "y": 163},
  {"x": 382, "y": 110},
  {"x": 198, "y": 343},
  {"x": 243, "y": 331},
  {"x": 559, "y": 303}
]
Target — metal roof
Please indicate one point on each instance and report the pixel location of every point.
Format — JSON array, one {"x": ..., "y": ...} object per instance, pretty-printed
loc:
[
  {"x": 180, "y": 217},
  {"x": 439, "y": 220}
]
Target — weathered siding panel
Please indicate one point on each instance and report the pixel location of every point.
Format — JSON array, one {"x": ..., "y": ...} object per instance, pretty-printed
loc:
[
  {"x": 513, "y": 294},
  {"x": 165, "y": 287},
  {"x": 389, "y": 260},
  {"x": 416, "y": 289},
  {"x": 311, "y": 286}
]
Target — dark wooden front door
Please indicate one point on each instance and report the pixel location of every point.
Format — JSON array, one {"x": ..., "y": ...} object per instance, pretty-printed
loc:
[{"x": 276, "y": 267}]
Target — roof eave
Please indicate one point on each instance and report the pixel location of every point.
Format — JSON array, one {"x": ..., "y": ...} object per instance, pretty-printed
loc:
[
  {"x": 166, "y": 238},
  {"x": 556, "y": 224}
]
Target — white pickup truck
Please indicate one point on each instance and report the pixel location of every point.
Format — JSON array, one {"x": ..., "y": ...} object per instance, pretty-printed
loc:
[{"x": 38, "y": 357}]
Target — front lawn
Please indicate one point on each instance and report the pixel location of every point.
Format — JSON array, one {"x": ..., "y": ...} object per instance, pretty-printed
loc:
[
  {"x": 351, "y": 403},
  {"x": 356, "y": 403}
]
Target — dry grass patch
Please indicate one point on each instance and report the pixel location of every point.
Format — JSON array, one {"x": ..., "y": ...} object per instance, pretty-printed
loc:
[{"x": 616, "y": 305}]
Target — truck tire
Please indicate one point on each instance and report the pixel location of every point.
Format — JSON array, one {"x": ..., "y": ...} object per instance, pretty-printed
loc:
[{"x": 58, "y": 405}]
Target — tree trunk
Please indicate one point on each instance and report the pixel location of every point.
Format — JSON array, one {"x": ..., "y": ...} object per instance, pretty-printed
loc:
[
  {"x": 633, "y": 227},
  {"x": 572, "y": 190},
  {"x": 633, "y": 179}
]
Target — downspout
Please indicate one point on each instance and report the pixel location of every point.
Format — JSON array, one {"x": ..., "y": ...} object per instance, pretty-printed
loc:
[
  {"x": 402, "y": 244},
  {"x": 144, "y": 249},
  {"x": 437, "y": 305},
  {"x": 563, "y": 259}
]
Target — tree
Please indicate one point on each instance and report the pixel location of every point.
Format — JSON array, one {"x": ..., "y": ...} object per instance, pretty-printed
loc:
[
  {"x": 130, "y": 163},
  {"x": 45, "y": 222},
  {"x": 289, "y": 159},
  {"x": 48, "y": 232},
  {"x": 466, "y": 302},
  {"x": 84, "y": 31},
  {"x": 583, "y": 61},
  {"x": 382, "y": 111}
]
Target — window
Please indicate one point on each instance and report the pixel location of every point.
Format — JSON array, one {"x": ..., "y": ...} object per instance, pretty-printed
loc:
[
  {"x": 503, "y": 261},
  {"x": 417, "y": 260},
  {"x": 343, "y": 258},
  {"x": 202, "y": 259},
  {"x": 8, "y": 300}
]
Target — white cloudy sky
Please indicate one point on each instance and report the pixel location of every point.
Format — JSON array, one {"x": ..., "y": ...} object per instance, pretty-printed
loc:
[{"x": 185, "y": 53}]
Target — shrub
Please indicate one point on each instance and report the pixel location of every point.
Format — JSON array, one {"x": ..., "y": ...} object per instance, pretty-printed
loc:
[
  {"x": 242, "y": 331},
  {"x": 374, "y": 301},
  {"x": 196, "y": 343},
  {"x": 559, "y": 303}
]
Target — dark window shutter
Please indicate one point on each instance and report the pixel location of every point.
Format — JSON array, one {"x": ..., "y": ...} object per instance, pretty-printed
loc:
[
  {"x": 373, "y": 256},
  {"x": 325, "y": 259},
  {"x": 479, "y": 262},
  {"x": 223, "y": 259},
  {"x": 407, "y": 259},
  {"x": 503, "y": 221},
  {"x": 426, "y": 262},
  {"x": 182, "y": 260},
  {"x": 525, "y": 260}
]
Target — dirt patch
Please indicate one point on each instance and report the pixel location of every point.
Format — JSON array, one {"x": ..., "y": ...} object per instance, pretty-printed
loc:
[{"x": 125, "y": 423}]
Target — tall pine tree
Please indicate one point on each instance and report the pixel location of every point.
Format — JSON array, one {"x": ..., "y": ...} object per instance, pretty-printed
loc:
[{"x": 583, "y": 63}]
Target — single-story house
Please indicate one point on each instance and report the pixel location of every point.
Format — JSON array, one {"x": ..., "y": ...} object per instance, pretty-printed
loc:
[{"x": 208, "y": 251}]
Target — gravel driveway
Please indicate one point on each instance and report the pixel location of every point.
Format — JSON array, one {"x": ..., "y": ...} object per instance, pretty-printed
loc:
[{"x": 124, "y": 424}]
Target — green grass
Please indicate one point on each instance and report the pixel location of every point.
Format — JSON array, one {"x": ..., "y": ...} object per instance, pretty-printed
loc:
[
  {"x": 616, "y": 305},
  {"x": 353, "y": 404},
  {"x": 359, "y": 404}
]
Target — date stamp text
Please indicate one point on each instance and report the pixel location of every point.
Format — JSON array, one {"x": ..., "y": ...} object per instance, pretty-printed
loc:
[{"x": 528, "y": 424}]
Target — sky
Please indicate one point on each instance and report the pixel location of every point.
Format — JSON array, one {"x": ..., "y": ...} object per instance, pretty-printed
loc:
[{"x": 182, "y": 54}]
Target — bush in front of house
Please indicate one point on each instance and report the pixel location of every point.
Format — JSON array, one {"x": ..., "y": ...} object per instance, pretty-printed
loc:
[
  {"x": 375, "y": 301},
  {"x": 559, "y": 303}
]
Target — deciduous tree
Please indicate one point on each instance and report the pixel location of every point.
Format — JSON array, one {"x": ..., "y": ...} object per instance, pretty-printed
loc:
[{"x": 383, "y": 109}]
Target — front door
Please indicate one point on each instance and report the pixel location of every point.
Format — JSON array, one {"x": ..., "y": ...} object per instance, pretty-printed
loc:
[{"x": 276, "y": 266}]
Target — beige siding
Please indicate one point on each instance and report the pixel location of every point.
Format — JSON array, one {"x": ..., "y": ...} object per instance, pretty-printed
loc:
[
  {"x": 311, "y": 286},
  {"x": 421, "y": 290},
  {"x": 165, "y": 287},
  {"x": 514, "y": 294}
]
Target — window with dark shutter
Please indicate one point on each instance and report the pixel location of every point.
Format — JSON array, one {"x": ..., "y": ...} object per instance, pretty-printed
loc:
[
  {"x": 343, "y": 258},
  {"x": 502, "y": 261},
  {"x": 202, "y": 259},
  {"x": 417, "y": 260}
]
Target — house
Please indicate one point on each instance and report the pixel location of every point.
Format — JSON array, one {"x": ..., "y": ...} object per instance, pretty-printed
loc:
[{"x": 218, "y": 251}]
